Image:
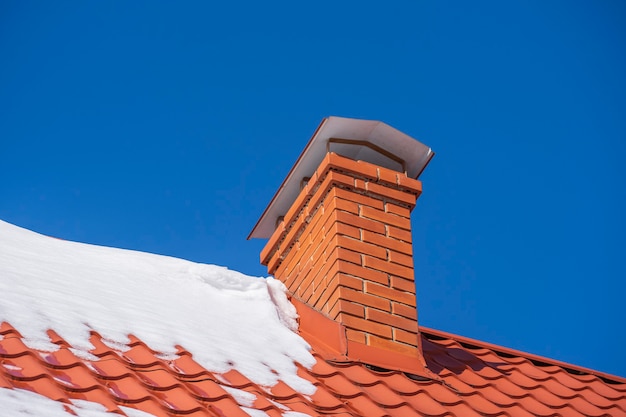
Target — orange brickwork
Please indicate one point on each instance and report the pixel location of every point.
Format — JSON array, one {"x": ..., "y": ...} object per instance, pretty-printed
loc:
[{"x": 344, "y": 248}]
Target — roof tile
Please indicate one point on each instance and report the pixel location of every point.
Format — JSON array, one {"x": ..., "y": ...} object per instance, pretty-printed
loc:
[
  {"x": 465, "y": 381},
  {"x": 384, "y": 396},
  {"x": 324, "y": 399},
  {"x": 497, "y": 397},
  {"x": 341, "y": 385},
  {"x": 535, "y": 407},
  {"x": 425, "y": 404},
  {"x": 76, "y": 378},
  {"x": 585, "y": 407}
]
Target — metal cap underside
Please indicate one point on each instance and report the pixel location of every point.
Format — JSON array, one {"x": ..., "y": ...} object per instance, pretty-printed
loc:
[{"x": 366, "y": 140}]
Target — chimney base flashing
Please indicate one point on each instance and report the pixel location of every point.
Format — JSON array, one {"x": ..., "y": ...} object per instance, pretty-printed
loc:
[{"x": 328, "y": 339}]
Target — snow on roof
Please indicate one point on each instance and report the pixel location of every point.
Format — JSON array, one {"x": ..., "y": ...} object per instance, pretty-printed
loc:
[
  {"x": 18, "y": 402},
  {"x": 224, "y": 318}
]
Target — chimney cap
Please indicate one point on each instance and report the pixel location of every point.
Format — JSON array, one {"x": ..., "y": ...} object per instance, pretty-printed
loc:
[{"x": 367, "y": 140}]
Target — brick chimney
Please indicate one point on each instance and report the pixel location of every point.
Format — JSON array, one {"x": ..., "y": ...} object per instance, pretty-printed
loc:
[{"x": 339, "y": 233}]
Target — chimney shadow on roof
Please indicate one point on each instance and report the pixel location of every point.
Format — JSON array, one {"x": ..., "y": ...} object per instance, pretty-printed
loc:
[{"x": 456, "y": 358}]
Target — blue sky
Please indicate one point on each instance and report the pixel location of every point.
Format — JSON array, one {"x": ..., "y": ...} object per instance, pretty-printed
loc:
[{"x": 167, "y": 127}]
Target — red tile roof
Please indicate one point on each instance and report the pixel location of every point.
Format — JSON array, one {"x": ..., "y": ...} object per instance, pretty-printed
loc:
[{"x": 464, "y": 378}]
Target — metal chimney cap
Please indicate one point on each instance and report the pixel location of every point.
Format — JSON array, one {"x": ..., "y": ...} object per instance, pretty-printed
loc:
[{"x": 366, "y": 140}]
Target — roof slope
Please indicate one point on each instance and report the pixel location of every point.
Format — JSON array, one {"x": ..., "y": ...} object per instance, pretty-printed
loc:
[
  {"x": 86, "y": 361},
  {"x": 466, "y": 381}
]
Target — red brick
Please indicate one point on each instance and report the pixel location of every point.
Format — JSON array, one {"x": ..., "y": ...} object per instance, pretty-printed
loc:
[
  {"x": 344, "y": 229},
  {"x": 297, "y": 206},
  {"x": 359, "y": 198},
  {"x": 360, "y": 185},
  {"x": 400, "y": 234},
  {"x": 342, "y": 306},
  {"x": 349, "y": 282},
  {"x": 388, "y": 175},
  {"x": 358, "y": 167},
  {"x": 366, "y": 326},
  {"x": 397, "y": 322},
  {"x": 390, "y": 294},
  {"x": 360, "y": 222},
  {"x": 365, "y": 273},
  {"x": 403, "y": 336},
  {"x": 398, "y": 210},
  {"x": 404, "y": 311},
  {"x": 386, "y": 218},
  {"x": 346, "y": 205},
  {"x": 400, "y": 196},
  {"x": 328, "y": 183},
  {"x": 368, "y": 300},
  {"x": 415, "y": 186},
  {"x": 388, "y": 267},
  {"x": 356, "y": 336},
  {"x": 362, "y": 247},
  {"x": 402, "y": 284},
  {"x": 348, "y": 255},
  {"x": 400, "y": 258},
  {"x": 387, "y": 242}
]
